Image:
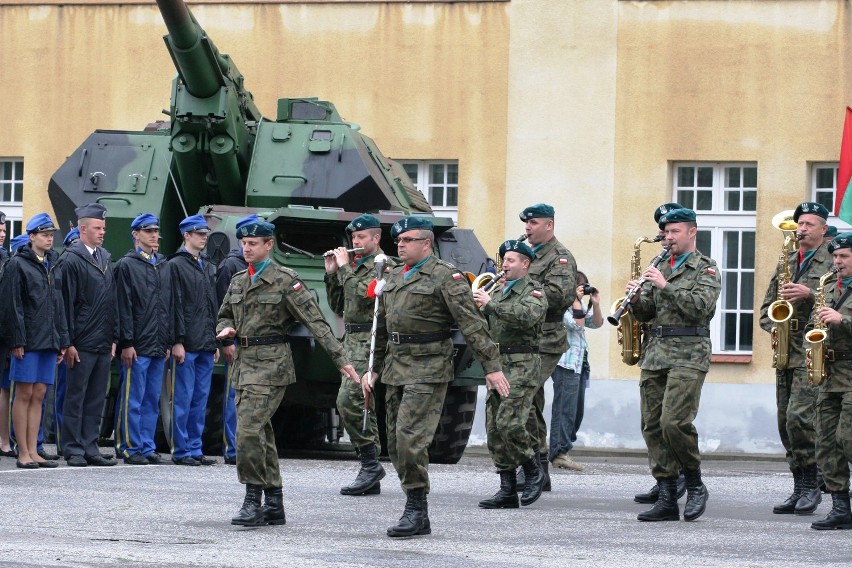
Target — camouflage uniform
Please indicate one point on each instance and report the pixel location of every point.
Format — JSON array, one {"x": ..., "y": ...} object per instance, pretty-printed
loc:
[
  {"x": 417, "y": 374},
  {"x": 795, "y": 396},
  {"x": 834, "y": 404},
  {"x": 265, "y": 309},
  {"x": 674, "y": 366},
  {"x": 555, "y": 268},
  {"x": 347, "y": 296},
  {"x": 515, "y": 320}
]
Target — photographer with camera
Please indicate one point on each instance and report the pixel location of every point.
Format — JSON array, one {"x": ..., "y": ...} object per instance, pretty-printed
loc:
[{"x": 571, "y": 377}]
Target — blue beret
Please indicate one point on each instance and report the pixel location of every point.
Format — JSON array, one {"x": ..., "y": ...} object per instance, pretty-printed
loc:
[
  {"x": 409, "y": 224},
  {"x": 18, "y": 242},
  {"x": 536, "y": 211},
  {"x": 145, "y": 221},
  {"x": 91, "y": 211},
  {"x": 831, "y": 232},
  {"x": 843, "y": 240},
  {"x": 810, "y": 208},
  {"x": 362, "y": 222},
  {"x": 73, "y": 235},
  {"x": 194, "y": 224},
  {"x": 516, "y": 246},
  {"x": 41, "y": 223},
  {"x": 665, "y": 208},
  {"x": 258, "y": 228},
  {"x": 682, "y": 215}
]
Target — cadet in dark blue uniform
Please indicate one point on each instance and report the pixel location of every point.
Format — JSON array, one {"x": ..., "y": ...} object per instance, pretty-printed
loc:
[
  {"x": 195, "y": 350},
  {"x": 143, "y": 297},
  {"x": 5, "y": 382}
]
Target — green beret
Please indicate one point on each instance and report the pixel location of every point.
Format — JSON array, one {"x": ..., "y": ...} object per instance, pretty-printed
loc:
[
  {"x": 258, "y": 229},
  {"x": 841, "y": 241},
  {"x": 536, "y": 211},
  {"x": 362, "y": 222},
  {"x": 516, "y": 246},
  {"x": 831, "y": 232},
  {"x": 665, "y": 208},
  {"x": 810, "y": 208},
  {"x": 410, "y": 223},
  {"x": 681, "y": 215}
]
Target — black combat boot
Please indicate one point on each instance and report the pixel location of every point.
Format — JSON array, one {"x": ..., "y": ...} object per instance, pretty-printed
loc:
[
  {"x": 506, "y": 497},
  {"x": 251, "y": 515},
  {"x": 650, "y": 497},
  {"x": 415, "y": 517},
  {"x": 788, "y": 507},
  {"x": 535, "y": 481},
  {"x": 696, "y": 495},
  {"x": 665, "y": 509},
  {"x": 371, "y": 472},
  {"x": 681, "y": 485},
  {"x": 811, "y": 496},
  {"x": 273, "y": 506},
  {"x": 544, "y": 470},
  {"x": 839, "y": 517}
]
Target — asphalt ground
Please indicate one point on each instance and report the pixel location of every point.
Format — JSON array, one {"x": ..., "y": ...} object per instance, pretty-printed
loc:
[{"x": 179, "y": 516}]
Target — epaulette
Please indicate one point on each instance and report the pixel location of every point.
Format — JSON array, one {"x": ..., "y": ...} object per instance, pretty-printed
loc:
[
  {"x": 288, "y": 271},
  {"x": 447, "y": 265}
]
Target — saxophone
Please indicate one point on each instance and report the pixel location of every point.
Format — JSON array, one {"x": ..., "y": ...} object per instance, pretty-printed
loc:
[
  {"x": 815, "y": 354},
  {"x": 780, "y": 311},
  {"x": 629, "y": 329}
]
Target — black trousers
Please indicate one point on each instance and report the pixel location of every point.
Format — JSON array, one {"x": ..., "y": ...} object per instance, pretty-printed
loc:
[{"x": 86, "y": 389}]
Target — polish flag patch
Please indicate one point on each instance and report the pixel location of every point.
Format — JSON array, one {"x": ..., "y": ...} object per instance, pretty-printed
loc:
[
  {"x": 536, "y": 293},
  {"x": 297, "y": 286},
  {"x": 711, "y": 271},
  {"x": 457, "y": 275},
  {"x": 563, "y": 261}
]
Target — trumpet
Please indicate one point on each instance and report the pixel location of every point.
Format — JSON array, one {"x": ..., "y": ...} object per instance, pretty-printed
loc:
[
  {"x": 616, "y": 316},
  {"x": 331, "y": 252},
  {"x": 487, "y": 282}
]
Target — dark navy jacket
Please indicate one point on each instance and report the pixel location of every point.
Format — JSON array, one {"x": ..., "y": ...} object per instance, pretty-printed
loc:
[
  {"x": 194, "y": 299},
  {"x": 143, "y": 294},
  {"x": 88, "y": 293}
]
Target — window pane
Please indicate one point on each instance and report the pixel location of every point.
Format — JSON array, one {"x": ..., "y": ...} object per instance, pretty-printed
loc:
[
  {"x": 705, "y": 201},
  {"x": 411, "y": 170},
  {"x": 437, "y": 197},
  {"x": 749, "y": 201},
  {"x": 750, "y": 177},
  {"x": 685, "y": 177},
  {"x": 729, "y": 332},
  {"x": 453, "y": 174},
  {"x": 20, "y": 172},
  {"x": 732, "y": 249},
  {"x": 826, "y": 198},
  {"x": 747, "y": 291},
  {"x": 732, "y": 177},
  {"x": 825, "y": 178},
  {"x": 732, "y": 200},
  {"x": 7, "y": 191},
  {"x": 731, "y": 285},
  {"x": 705, "y": 177},
  {"x": 685, "y": 198},
  {"x": 747, "y": 250},
  {"x": 436, "y": 174},
  {"x": 7, "y": 171},
  {"x": 702, "y": 242},
  {"x": 746, "y": 323},
  {"x": 452, "y": 197}
]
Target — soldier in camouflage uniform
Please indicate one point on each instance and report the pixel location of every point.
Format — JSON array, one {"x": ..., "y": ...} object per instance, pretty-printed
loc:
[
  {"x": 680, "y": 298},
  {"x": 260, "y": 307},
  {"x": 555, "y": 268},
  {"x": 834, "y": 403},
  {"x": 421, "y": 301},
  {"x": 795, "y": 396},
  {"x": 514, "y": 317},
  {"x": 349, "y": 295}
]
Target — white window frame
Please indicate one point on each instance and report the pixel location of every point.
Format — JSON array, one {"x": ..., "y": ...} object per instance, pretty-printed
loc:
[
  {"x": 832, "y": 219},
  {"x": 422, "y": 182},
  {"x": 14, "y": 210}
]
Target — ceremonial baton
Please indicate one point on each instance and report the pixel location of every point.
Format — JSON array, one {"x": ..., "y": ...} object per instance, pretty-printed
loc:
[{"x": 379, "y": 265}]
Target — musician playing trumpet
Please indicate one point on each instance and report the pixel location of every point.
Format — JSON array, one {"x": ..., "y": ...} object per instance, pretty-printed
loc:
[
  {"x": 680, "y": 298},
  {"x": 795, "y": 396},
  {"x": 515, "y": 315}
]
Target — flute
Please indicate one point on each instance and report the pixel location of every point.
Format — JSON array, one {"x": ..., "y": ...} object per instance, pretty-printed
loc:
[{"x": 331, "y": 252}]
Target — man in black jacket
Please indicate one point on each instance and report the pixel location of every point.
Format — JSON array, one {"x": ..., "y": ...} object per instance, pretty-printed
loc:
[
  {"x": 88, "y": 295},
  {"x": 195, "y": 351},
  {"x": 143, "y": 298}
]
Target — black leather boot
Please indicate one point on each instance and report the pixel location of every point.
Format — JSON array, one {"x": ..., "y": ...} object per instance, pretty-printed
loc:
[
  {"x": 811, "y": 496},
  {"x": 371, "y": 472},
  {"x": 506, "y": 497},
  {"x": 545, "y": 464},
  {"x": 839, "y": 517},
  {"x": 273, "y": 506},
  {"x": 681, "y": 485},
  {"x": 650, "y": 497},
  {"x": 788, "y": 507},
  {"x": 250, "y": 515},
  {"x": 415, "y": 517},
  {"x": 535, "y": 481},
  {"x": 696, "y": 495},
  {"x": 665, "y": 509}
]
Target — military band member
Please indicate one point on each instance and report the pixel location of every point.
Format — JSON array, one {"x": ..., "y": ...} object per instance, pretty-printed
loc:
[
  {"x": 555, "y": 269},
  {"x": 421, "y": 301},
  {"x": 347, "y": 287},
  {"x": 795, "y": 396},
  {"x": 680, "y": 298},
  {"x": 514, "y": 316},
  {"x": 260, "y": 307},
  {"x": 830, "y": 233},
  {"x": 834, "y": 403}
]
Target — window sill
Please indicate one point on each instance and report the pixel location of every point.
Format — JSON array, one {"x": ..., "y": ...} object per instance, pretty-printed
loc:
[{"x": 737, "y": 359}]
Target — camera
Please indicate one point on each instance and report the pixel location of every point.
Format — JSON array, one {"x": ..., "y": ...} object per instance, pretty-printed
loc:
[{"x": 588, "y": 290}]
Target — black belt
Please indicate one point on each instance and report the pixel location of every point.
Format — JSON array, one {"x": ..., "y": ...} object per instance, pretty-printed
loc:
[
  {"x": 397, "y": 338},
  {"x": 553, "y": 318},
  {"x": 679, "y": 331},
  {"x": 794, "y": 324},
  {"x": 357, "y": 327},
  {"x": 508, "y": 349},
  {"x": 832, "y": 355},
  {"x": 263, "y": 340}
]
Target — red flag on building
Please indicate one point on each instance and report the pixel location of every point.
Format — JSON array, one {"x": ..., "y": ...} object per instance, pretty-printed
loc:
[{"x": 843, "y": 201}]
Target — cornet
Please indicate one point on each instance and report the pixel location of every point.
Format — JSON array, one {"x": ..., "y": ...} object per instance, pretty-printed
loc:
[{"x": 331, "y": 252}]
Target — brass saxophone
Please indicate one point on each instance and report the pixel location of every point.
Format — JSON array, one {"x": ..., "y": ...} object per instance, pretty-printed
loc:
[
  {"x": 815, "y": 354},
  {"x": 780, "y": 311},
  {"x": 629, "y": 329}
]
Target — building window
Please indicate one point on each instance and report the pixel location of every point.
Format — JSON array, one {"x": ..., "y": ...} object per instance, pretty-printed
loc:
[
  {"x": 12, "y": 195},
  {"x": 438, "y": 181},
  {"x": 725, "y": 197},
  {"x": 824, "y": 190}
]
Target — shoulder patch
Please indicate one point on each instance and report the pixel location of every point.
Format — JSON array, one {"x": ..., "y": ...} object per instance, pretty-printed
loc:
[
  {"x": 563, "y": 260},
  {"x": 457, "y": 276},
  {"x": 297, "y": 286},
  {"x": 536, "y": 293},
  {"x": 711, "y": 270}
]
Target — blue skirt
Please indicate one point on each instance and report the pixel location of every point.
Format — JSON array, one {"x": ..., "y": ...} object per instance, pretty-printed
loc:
[{"x": 35, "y": 367}]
